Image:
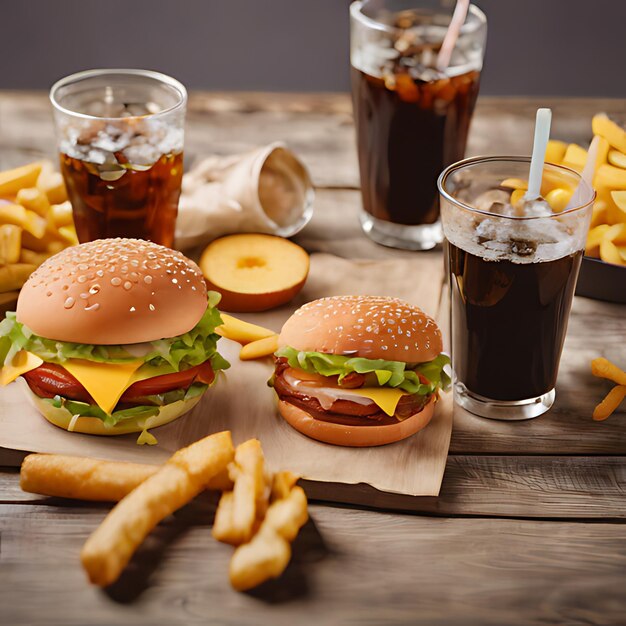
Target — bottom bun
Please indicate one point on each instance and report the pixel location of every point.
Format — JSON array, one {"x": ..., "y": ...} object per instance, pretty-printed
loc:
[
  {"x": 355, "y": 436},
  {"x": 93, "y": 426}
]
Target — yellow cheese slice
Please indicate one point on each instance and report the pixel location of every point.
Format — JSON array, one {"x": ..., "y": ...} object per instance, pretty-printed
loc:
[
  {"x": 105, "y": 382},
  {"x": 22, "y": 362},
  {"x": 386, "y": 398}
]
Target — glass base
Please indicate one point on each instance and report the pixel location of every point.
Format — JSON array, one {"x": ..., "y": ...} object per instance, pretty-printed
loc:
[
  {"x": 423, "y": 237},
  {"x": 513, "y": 410}
]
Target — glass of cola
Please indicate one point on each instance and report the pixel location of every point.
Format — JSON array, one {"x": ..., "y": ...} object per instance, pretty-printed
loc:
[
  {"x": 411, "y": 115},
  {"x": 120, "y": 138},
  {"x": 512, "y": 266}
]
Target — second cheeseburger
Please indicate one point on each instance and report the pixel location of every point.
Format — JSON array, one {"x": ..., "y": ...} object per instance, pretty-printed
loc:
[{"x": 359, "y": 370}]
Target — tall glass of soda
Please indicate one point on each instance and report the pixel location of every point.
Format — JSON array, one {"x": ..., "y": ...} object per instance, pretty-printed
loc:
[
  {"x": 120, "y": 138},
  {"x": 512, "y": 266},
  {"x": 411, "y": 115}
]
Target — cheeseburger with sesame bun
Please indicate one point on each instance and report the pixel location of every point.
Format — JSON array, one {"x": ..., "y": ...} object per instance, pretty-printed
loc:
[
  {"x": 113, "y": 336},
  {"x": 359, "y": 370}
]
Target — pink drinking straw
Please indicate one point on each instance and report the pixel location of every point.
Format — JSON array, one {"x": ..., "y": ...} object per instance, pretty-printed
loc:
[{"x": 454, "y": 28}]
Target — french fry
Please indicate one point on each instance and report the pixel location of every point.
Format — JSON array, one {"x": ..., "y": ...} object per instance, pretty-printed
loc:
[
  {"x": 603, "y": 368},
  {"x": 15, "y": 275},
  {"x": 24, "y": 218},
  {"x": 268, "y": 553},
  {"x": 555, "y": 151},
  {"x": 614, "y": 134},
  {"x": 514, "y": 183},
  {"x": 612, "y": 400},
  {"x": 34, "y": 258},
  {"x": 184, "y": 476},
  {"x": 48, "y": 242},
  {"x": 609, "y": 252},
  {"x": 287, "y": 515},
  {"x": 62, "y": 214},
  {"x": 83, "y": 478},
  {"x": 11, "y": 181},
  {"x": 575, "y": 157},
  {"x": 240, "y": 331},
  {"x": 611, "y": 177},
  {"x": 69, "y": 234},
  {"x": 282, "y": 484},
  {"x": 33, "y": 199},
  {"x": 51, "y": 183},
  {"x": 265, "y": 557},
  {"x": 10, "y": 243},
  {"x": 259, "y": 349},
  {"x": 617, "y": 158},
  {"x": 237, "y": 511}
]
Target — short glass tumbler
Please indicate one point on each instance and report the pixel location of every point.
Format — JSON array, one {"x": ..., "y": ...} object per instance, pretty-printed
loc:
[
  {"x": 120, "y": 139},
  {"x": 512, "y": 271}
]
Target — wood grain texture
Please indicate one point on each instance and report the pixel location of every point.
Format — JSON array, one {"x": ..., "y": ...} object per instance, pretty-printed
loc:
[
  {"x": 478, "y": 486},
  {"x": 317, "y": 126},
  {"x": 345, "y": 570}
]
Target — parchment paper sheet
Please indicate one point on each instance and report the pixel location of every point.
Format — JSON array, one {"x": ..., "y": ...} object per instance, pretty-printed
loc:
[{"x": 242, "y": 402}]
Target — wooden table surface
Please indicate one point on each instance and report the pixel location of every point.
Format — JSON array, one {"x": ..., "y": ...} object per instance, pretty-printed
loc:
[{"x": 528, "y": 528}]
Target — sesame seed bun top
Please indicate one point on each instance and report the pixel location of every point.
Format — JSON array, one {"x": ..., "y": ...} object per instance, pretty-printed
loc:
[
  {"x": 113, "y": 291},
  {"x": 372, "y": 327}
]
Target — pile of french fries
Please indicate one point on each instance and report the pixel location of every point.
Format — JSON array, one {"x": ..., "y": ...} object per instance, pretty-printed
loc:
[
  {"x": 607, "y": 233},
  {"x": 258, "y": 513},
  {"x": 603, "y": 368},
  {"x": 35, "y": 221}
]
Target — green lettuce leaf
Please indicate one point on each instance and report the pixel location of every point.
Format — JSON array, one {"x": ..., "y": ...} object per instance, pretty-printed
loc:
[
  {"x": 133, "y": 413},
  {"x": 181, "y": 352},
  {"x": 387, "y": 373}
]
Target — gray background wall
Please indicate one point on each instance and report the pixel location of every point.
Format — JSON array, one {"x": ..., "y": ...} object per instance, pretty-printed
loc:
[{"x": 535, "y": 47}]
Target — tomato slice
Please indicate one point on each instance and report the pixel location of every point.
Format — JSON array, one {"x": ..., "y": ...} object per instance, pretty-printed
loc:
[
  {"x": 51, "y": 379},
  {"x": 202, "y": 373}
]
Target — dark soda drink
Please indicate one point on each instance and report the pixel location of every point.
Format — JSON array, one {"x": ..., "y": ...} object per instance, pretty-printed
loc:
[
  {"x": 120, "y": 135},
  {"x": 413, "y": 97},
  {"x": 408, "y": 131},
  {"x": 508, "y": 322},
  {"x": 125, "y": 200},
  {"x": 512, "y": 264}
]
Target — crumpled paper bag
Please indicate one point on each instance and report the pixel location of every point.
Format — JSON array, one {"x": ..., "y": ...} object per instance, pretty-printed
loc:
[{"x": 267, "y": 190}]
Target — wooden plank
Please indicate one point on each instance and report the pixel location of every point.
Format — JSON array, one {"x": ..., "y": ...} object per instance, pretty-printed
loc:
[
  {"x": 495, "y": 486},
  {"x": 348, "y": 566}
]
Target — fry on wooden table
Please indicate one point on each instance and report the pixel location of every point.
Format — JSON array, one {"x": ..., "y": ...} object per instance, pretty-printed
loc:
[
  {"x": 178, "y": 481},
  {"x": 603, "y": 368},
  {"x": 612, "y": 400},
  {"x": 238, "y": 510},
  {"x": 84, "y": 478},
  {"x": 268, "y": 553},
  {"x": 282, "y": 484}
]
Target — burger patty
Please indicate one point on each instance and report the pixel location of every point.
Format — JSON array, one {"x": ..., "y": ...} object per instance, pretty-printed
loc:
[{"x": 344, "y": 411}]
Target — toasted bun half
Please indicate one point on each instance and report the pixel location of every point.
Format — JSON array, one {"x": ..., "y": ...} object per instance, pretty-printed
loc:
[
  {"x": 354, "y": 436},
  {"x": 93, "y": 426},
  {"x": 113, "y": 291},
  {"x": 372, "y": 327}
]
